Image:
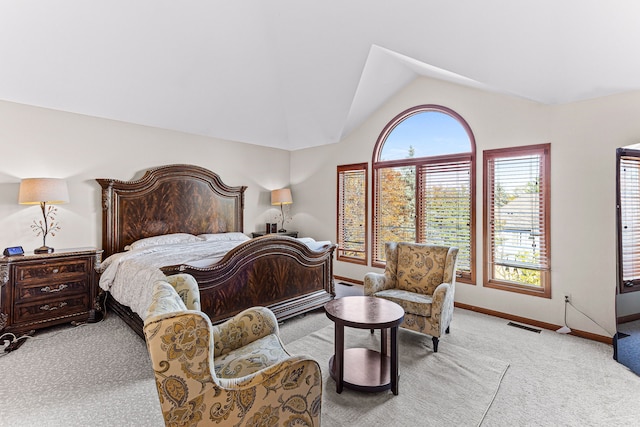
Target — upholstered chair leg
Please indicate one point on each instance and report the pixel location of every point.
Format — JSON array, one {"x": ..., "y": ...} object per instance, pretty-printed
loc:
[{"x": 435, "y": 344}]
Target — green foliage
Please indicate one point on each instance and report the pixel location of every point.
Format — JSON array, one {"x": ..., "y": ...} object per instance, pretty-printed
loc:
[{"x": 525, "y": 276}]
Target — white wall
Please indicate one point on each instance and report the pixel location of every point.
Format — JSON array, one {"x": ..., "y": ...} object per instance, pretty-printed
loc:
[
  {"x": 583, "y": 136},
  {"x": 38, "y": 142}
]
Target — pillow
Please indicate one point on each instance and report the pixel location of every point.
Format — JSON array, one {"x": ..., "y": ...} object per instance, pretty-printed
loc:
[
  {"x": 224, "y": 237},
  {"x": 165, "y": 239}
]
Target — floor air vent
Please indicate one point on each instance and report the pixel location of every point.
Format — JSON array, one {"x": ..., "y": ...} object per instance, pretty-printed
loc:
[
  {"x": 526, "y": 328},
  {"x": 345, "y": 283}
]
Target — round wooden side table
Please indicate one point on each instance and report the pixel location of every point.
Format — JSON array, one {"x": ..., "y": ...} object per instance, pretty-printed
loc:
[{"x": 366, "y": 370}]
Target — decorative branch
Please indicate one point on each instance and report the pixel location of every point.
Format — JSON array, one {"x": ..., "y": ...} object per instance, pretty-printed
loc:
[
  {"x": 284, "y": 215},
  {"x": 48, "y": 224}
]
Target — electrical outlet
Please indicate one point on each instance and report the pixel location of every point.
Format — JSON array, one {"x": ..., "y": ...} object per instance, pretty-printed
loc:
[{"x": 567, "y": 298}]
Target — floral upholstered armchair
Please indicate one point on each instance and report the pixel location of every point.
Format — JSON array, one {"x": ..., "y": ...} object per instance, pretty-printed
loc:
[
  {"x": 237, "y": 373},
  {"x": 420, "y": 278}
]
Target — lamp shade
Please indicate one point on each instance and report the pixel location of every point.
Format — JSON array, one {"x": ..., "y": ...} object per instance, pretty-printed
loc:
[
  {"x": 49, "y": 190},
  {"x": 281, "y": 197}
]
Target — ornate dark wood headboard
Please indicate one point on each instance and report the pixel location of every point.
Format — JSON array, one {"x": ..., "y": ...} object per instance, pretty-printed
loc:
[{"x": 168, "y": 199}]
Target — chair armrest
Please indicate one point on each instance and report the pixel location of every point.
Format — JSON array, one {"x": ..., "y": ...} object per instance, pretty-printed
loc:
[
  {"x": 243, "y": 328},
  {"x": 187, "y": 287},
  {"x": 441, "y": 293},
  {"x": 442, "y": 307},
  {"x": 312, "y": 373},
  {"x": 374, "y": 282}
]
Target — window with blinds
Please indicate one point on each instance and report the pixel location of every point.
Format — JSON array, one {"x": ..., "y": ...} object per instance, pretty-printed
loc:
[
  {"x": 628, "y": 212},
  {"x": 352, "y": 213},
  {"x": 517, "y": 219},
  {"x": 424, "y": 186},
  {"x": 444, "y": 209}
]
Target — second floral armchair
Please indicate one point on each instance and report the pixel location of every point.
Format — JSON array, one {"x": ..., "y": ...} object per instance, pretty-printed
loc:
[{"x": 420, "y": 278}]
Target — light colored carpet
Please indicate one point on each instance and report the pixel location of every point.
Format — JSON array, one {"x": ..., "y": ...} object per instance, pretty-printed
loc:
[
  {"x": 97, "y": 374},
  {"x": 432, "y": 385}
]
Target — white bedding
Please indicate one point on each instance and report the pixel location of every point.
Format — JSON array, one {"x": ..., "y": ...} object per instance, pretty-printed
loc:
[{"x": 129, "y": 276}]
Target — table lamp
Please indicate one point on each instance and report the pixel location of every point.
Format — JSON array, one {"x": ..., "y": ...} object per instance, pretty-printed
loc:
[
  {"x": 281, "y": 197},
  {"x": 44, "y": 191}
]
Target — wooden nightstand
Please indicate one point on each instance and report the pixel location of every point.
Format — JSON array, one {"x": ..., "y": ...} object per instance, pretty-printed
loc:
[
  {"x": 40, "y": 290},
  {"x": 286, "y": 233}
]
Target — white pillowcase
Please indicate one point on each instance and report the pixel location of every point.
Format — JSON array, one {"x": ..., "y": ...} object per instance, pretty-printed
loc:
[
  {"x": 224, "y": 237},
  {"x": 165, "y": 239}
]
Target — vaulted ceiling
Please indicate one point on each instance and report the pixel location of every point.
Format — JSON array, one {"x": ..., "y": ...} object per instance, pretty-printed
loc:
[{"x": 298, "y": 73}]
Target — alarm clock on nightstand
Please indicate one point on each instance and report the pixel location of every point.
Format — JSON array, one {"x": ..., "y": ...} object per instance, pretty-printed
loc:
[{"x": 14, "y": 250}]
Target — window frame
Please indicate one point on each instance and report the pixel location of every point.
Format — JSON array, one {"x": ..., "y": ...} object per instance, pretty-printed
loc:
[
  {"x": 417, "y": 163},
  {"x": 341, "y": 169},
  {"x": 544, "y": 290},
  {"x": 633, "y": 155}
]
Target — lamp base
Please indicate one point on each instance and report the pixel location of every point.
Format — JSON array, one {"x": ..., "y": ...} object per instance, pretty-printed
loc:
[
  {"x": 43, "y": 250},
  {"x": 282, "y": 230}
]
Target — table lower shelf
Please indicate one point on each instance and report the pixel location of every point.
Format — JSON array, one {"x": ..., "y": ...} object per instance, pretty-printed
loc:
[{"x": 364, "y": 370}]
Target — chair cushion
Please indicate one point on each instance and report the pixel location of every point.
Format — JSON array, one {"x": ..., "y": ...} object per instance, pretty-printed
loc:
[
  {"x": 418, "y": 304},
  {"x": 420, "y": 267},
  {"x": 257, "y": 355}
]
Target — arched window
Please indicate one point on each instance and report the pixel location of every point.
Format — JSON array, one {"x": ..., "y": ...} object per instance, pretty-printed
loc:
[{"x": 424, "y": 184}]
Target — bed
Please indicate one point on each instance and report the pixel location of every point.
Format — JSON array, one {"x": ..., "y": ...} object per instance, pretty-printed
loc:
[{"x": 282, "y": 273}]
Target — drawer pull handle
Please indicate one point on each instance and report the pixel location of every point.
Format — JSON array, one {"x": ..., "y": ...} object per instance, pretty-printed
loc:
[
  {"x": 50, "y": 290},
  {"x": 55, "y": 270},
  {"x": 48, "y": 307}
]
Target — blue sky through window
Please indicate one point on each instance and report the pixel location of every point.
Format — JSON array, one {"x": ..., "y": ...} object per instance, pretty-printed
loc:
[{"x": 430, "y": 133}]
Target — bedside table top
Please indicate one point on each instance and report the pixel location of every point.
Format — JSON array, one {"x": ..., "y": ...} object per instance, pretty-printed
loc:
[{"x": 57, "y": 253}]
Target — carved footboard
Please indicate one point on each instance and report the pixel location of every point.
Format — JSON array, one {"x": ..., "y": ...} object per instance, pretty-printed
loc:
[{"x": 278, "y": 272}]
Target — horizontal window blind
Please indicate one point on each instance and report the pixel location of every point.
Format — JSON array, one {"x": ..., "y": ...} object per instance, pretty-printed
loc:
[
  {"x": 629, "y": 211},
  {"x": 395, "y": 207},
  {"x": 445, "y": 208},
  {"x": 352, "y": 213},
  {"x": 517, "y": 216}
]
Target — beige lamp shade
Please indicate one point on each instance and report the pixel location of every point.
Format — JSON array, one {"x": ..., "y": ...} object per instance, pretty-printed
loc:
[
  {"x": 281, "y": 197},
  {"x": 49, "y": 190}
]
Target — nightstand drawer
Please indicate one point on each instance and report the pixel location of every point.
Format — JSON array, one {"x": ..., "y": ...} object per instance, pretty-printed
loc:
[
  {"x": 50, "y": 309},
  {"x": 50, "y": 289},
  {"x": 50, "y": 269}
]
